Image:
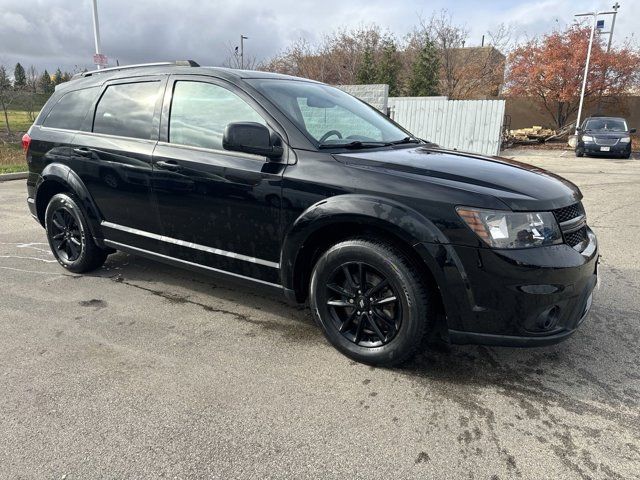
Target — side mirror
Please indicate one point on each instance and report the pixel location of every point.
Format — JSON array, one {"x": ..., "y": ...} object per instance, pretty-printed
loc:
[
  {"x": 578, "y": 129},
  {"x": 252, "y": 137},
  {"x": 632, "y": 130}
]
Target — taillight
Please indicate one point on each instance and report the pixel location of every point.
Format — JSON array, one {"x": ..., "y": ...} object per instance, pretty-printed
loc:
[{"x": 26, "y": 141}]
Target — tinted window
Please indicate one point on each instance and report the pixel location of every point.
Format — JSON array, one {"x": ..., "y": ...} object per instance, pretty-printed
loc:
[
  {"x": 71, "y": 109},
  {"x": 201, "y": 111},
  {"x": 320, "y": 109},
  {"x": 606, "y": 125},
  {"x": 127, "y": 109}
]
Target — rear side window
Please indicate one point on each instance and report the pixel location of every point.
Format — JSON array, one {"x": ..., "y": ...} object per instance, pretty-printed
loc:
[
  {"x": 126, "y": 110},
  {"x": 71, "y": 109},
  {"x": 201, "y": 111}
]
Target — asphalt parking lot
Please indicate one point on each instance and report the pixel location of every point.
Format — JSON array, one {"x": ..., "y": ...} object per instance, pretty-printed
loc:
[{"x": 141, "y": 370}]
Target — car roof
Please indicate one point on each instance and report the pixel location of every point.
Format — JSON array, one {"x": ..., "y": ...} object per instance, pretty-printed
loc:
[{"x": 98, "y": 77}]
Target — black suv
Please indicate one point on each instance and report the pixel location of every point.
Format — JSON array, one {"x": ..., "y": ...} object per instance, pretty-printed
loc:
[
  {"x": 296, "y": 185},
  {"x": 604, "y": 136}
]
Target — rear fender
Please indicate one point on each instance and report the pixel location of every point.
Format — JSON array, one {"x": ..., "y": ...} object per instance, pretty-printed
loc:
[{"x": 70, "y": 181}]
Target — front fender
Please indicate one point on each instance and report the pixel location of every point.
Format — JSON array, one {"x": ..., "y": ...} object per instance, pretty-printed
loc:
[
  {"x": 65, "y": 177},
  {"x": 370, "y": 211}
]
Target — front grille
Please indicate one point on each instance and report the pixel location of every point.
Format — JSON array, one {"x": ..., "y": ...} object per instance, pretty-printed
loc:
[
  {"x": 565, "y": 215},
  {"x": 606, "y": 141},
  {"x": 576, "y": 237},
  {"x": 569, "y": 213}
]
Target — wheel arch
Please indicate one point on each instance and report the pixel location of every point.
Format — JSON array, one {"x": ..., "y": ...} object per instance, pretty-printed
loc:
[
  {"x": 59, "y": 178},
  {"x": 346, "y": 216}
]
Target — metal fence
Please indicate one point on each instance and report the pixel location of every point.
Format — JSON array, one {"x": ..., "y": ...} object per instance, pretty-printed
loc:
[{"x": 468, "y": 125}]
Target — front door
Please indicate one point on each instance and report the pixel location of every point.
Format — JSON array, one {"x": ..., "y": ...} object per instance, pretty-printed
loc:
[{"x": 218, "y": 208}]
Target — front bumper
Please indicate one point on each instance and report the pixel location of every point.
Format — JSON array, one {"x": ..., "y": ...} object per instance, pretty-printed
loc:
[
  {"x": 591, "y": 148},
  {"x": 526, "y": 297}
]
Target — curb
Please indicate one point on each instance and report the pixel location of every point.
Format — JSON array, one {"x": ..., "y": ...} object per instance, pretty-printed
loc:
[{"x": 14, "y": 176}]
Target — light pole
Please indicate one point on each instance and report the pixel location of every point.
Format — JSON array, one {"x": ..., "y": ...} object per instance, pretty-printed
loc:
[
  {"x": 96, "y": 33},
  {"x": 242, "y": 39},
  {"x": 615, "y": 7},
  {"x": 586, "y": 66}
]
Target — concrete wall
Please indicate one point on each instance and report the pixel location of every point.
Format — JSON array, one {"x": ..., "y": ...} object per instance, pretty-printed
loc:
[
  {"x": 526, "y": 112},
  {"x": 376, "y": 95}
]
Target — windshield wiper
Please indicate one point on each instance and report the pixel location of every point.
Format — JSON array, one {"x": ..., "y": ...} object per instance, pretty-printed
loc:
[
  {"x": 355, "y": 144},
  {"x": 406, "y": 140}
]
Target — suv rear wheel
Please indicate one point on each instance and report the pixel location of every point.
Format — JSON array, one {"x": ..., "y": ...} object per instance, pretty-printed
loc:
[
  {"x": 370, "y": 301},
  {"x": 69, "y": 236}
]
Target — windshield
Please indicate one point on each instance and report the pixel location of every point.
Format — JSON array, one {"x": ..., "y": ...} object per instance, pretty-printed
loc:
[
  {"x": 332, "y": 117},
  {"x": 606, "y": 125}
]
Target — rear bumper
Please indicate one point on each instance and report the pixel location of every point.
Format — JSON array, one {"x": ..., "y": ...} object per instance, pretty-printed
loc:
[{"x": 525, "y": 298}]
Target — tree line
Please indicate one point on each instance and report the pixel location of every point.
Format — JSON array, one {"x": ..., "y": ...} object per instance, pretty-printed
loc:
[
  {"x": 430, "y": 60},
  {"x": 24, "y": 86}
]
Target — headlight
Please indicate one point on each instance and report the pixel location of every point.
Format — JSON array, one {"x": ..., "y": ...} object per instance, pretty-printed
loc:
[
  {"x": 505, "y": 229},
  {"x": 625, "y": 139},
  {"x": 587, "y": 138}
]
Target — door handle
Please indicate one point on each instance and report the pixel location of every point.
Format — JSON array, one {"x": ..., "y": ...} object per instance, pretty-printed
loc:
[
  {"x": 168, "y": 165},
  {"x": 82, "y": 151}
]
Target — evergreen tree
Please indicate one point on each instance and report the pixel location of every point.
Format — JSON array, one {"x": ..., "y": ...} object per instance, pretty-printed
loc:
[
  {"x": 57, "y": 77},
  {"x": 366, "y": 73},
  {"x": 389, "y": 67},
  {"x": 19, "y": 77},
  {"x": 46, "y": 84},
  {"x": 5, "y": 83},
  {"x": 425, "y": 71}
]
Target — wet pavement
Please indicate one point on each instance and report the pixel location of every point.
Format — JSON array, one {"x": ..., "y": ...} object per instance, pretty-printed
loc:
[{"x": 141, "y": 370}]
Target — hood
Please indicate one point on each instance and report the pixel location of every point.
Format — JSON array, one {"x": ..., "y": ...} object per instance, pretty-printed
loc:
[{"x": 519, "y": 185}]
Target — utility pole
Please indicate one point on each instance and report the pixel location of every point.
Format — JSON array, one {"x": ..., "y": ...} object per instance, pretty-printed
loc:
[
  {"x": 96, "y": 31},
  {"x": 242, "y": 39},
  {"x": 615, "y": 7},
  {"x": 586, "y": 66}
]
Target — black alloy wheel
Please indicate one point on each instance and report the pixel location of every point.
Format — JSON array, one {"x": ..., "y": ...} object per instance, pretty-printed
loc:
[
  {"x": 65, "y": 233},
  {"x": 69, "y": 235},
  {"x": 372, "y": 301},
  {"x": 363, "y": 305}
]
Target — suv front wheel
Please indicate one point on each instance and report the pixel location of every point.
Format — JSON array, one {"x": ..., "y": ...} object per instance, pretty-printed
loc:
[
  {"x": 371, "y": 302},
  {"x": 69, "y": 236}
]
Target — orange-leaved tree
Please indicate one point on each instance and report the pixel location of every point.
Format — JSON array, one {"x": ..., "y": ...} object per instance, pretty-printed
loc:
[{"x": 551, "y": 69}]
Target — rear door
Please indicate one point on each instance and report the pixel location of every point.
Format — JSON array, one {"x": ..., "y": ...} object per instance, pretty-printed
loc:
[
  {"x": 113, "y": 157},
  {"x": 218, "y": 208}
]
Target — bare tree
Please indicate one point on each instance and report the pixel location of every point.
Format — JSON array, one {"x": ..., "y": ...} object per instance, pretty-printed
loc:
[
  {"x": 336, "y": 58},
  {"x": 32, "y": 79},
  {"x": 7, "y": 96},
  {"x": 466, "y": 71},
  {"x": 233, "y": 60}
]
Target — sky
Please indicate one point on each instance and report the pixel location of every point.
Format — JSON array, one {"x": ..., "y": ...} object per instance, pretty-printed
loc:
[{"x": 52, "y": 33}]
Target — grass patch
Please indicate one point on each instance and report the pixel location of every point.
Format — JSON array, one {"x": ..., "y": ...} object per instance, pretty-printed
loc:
[
  {"x": 13, "y": 168},
  {"x": 19, "y": 121},
  {"x": 12, "y": 158}
]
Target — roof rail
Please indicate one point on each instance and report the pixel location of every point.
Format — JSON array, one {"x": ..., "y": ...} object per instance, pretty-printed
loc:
[{"x": 177, "y": 63}]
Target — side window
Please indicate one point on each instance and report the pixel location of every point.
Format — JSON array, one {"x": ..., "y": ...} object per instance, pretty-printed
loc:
[
  {"x": 71, "y": 109},
  {"x": 126, "y": 110},
  {"x": 201, "y": 111}
]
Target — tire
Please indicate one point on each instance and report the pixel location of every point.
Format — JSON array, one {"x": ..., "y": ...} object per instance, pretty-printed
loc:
[
  {"x": 579, "y": 153},
  {"x": 342, "y": 312},
  {"x": 69, "y": 236}
]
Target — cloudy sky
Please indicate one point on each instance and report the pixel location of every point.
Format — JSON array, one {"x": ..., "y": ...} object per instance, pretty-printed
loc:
[{"x": 51, "y": 33}]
